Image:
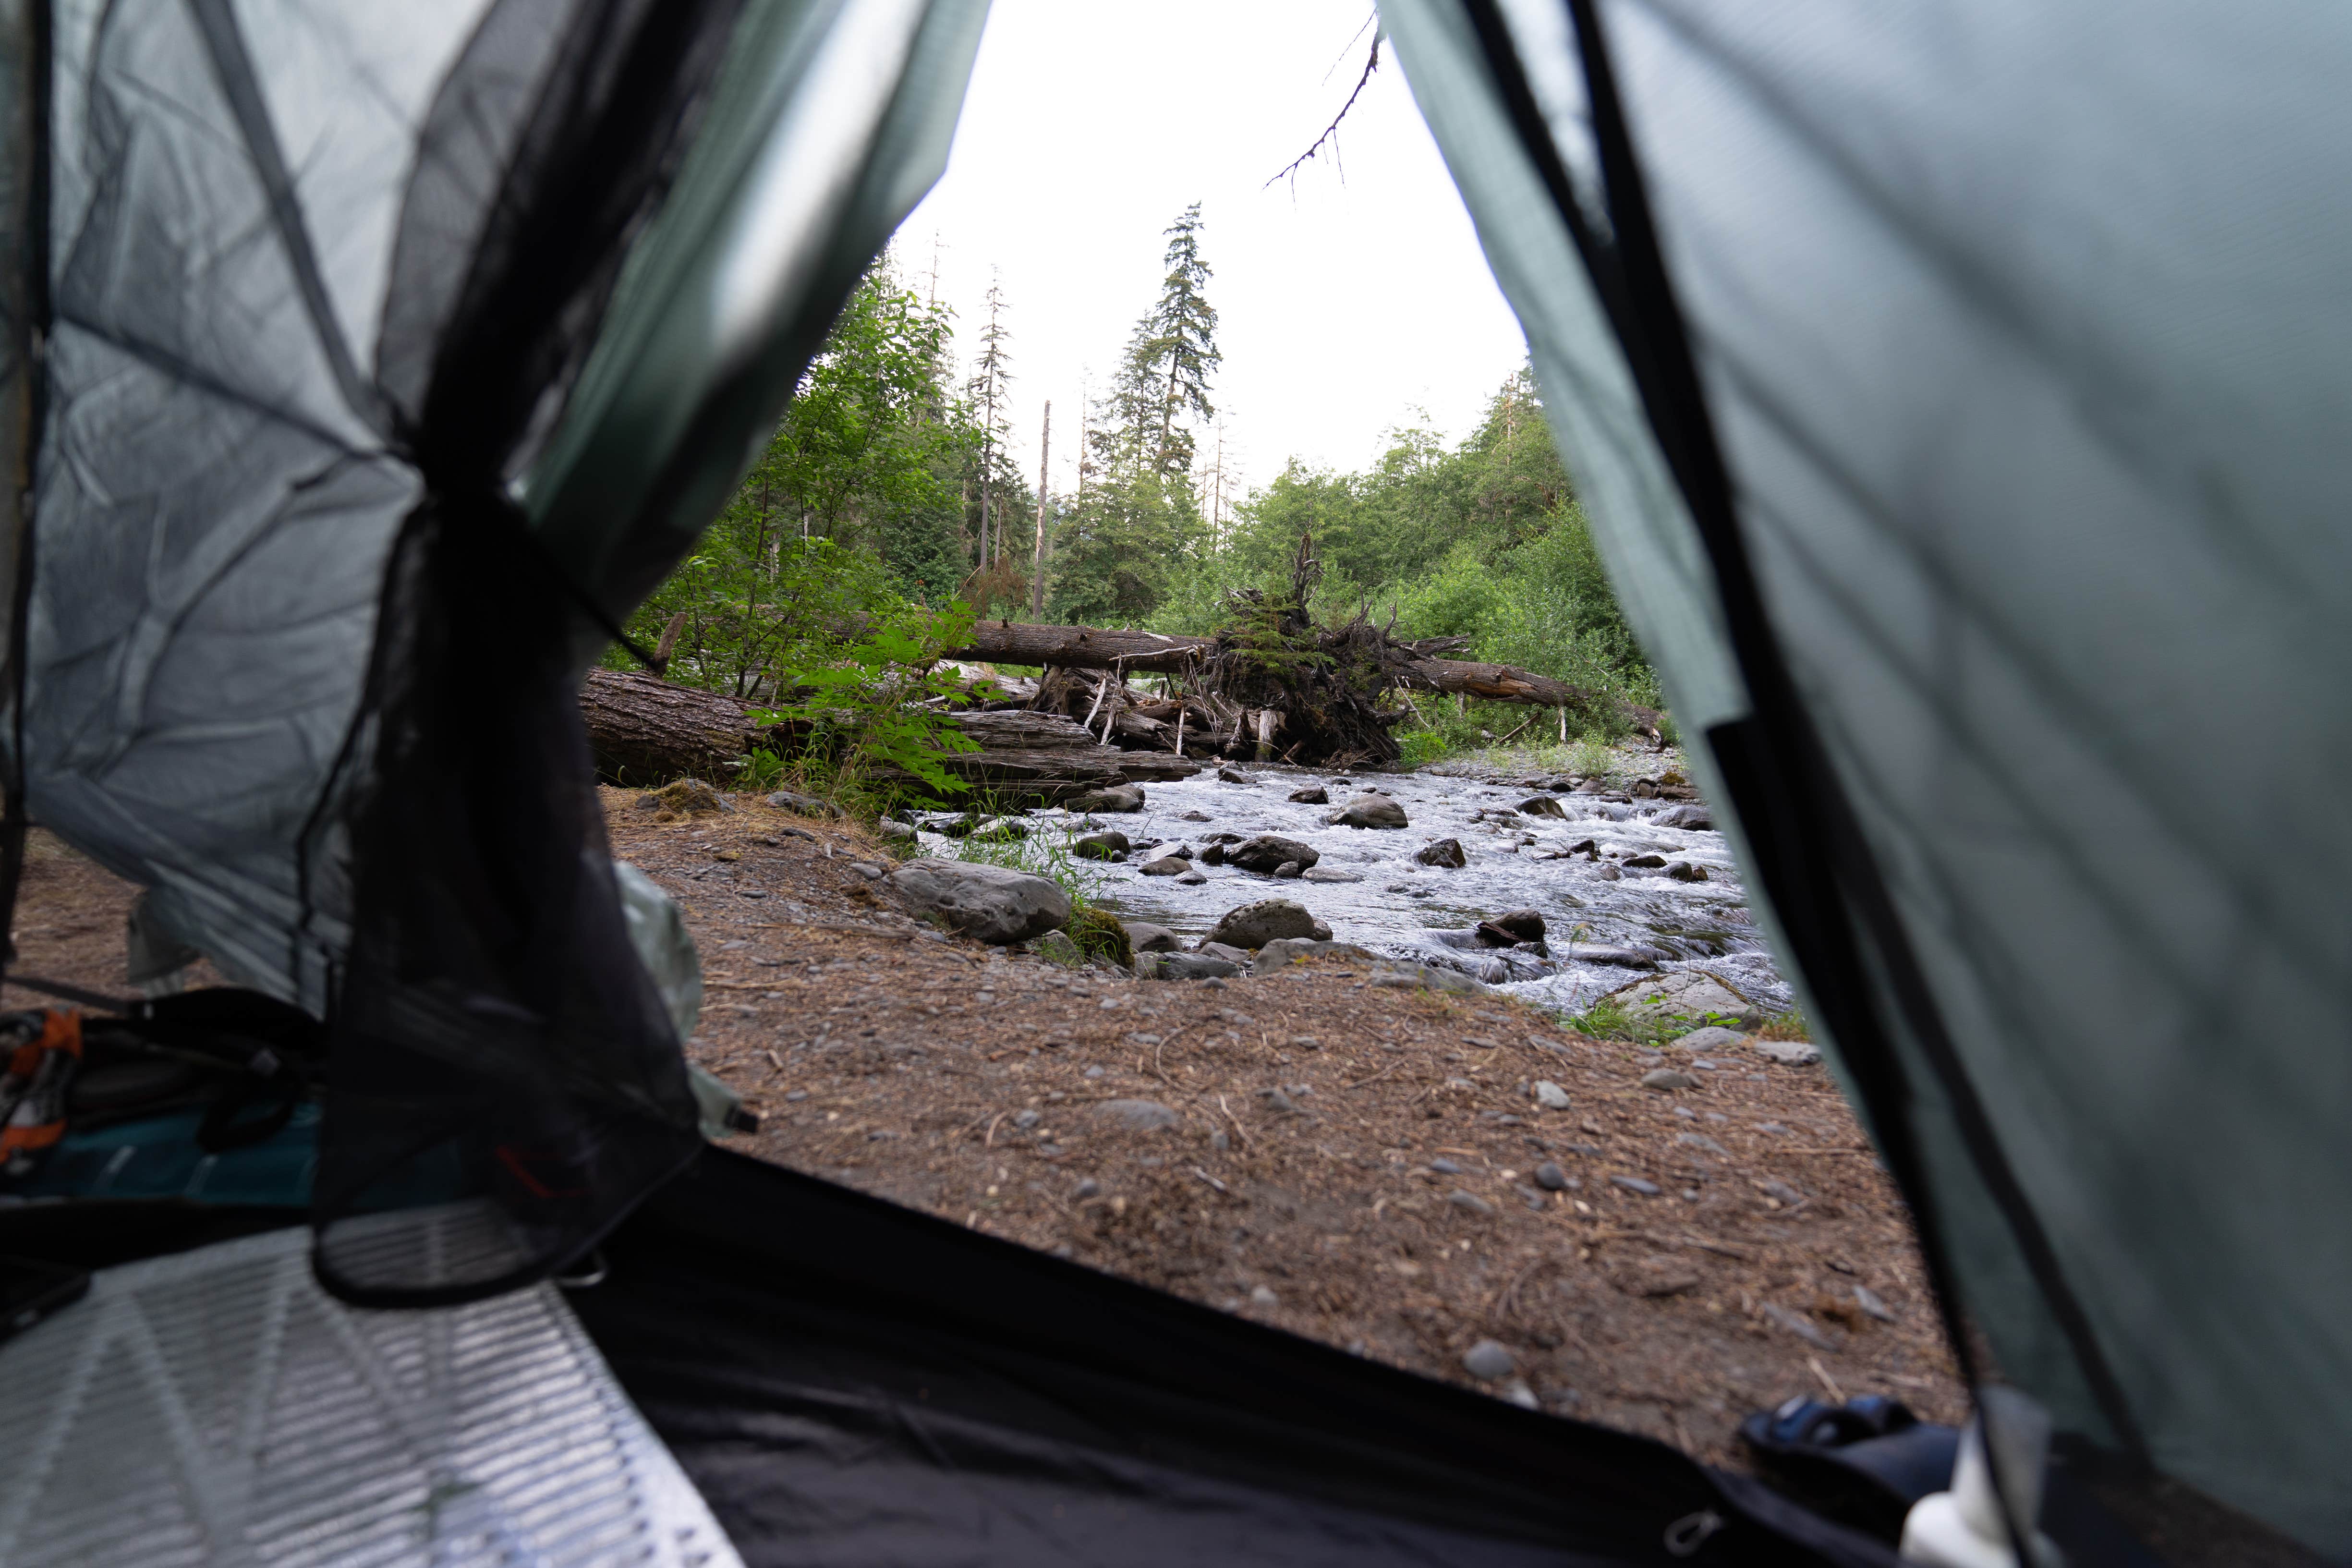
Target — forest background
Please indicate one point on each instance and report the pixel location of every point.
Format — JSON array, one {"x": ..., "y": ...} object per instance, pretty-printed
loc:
[{"x": 886, "y": 507}]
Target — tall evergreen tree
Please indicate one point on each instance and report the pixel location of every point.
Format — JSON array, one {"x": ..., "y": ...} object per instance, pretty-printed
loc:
[
  {"x": 991, "y": 374},
  {"x": 1137, "y": 515}
]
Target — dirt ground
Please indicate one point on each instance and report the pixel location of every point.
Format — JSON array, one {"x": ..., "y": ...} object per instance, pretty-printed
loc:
[{"x": 1347, "y": 1162}]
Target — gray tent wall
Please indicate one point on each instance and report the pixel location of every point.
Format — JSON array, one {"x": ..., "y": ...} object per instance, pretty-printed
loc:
[
  {"x": 2025, "y": 331},
  {"x": 217, "y": 490}
]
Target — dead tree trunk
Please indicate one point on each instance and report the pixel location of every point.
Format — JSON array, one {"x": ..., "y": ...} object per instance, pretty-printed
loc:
[
  {"x": 645, "y": 730},
  {"x": 1037, "y": 566}
]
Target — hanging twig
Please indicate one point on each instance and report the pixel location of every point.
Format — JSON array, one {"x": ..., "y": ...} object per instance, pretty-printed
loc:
[{"x": 1291, "y": 171}]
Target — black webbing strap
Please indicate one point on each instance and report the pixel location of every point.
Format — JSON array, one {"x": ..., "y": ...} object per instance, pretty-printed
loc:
[
  {"x": 1806, "y": 843},
  {"x": 33, "y": 354}
]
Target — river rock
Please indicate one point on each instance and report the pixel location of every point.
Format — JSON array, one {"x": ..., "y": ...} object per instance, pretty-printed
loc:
[
  {"x": 1212, "y": 855},
  {"x": 1115, "y": 798},
  {"x": 1635, "y": 1185},
  {"x": 1371, "y": 811},
  {"x": 1667, "y": 1078},
  {"x": 1328, "y": 874},
  {"x": 1696, "y": 818},
  {"x": 1136, "y": 1115},
  {"x": 1445, "y": 852},
  {"x": 999, "y": 830},
  {"x": 1542, "y": 805},
  {"x": 989, "y": 903},
  {"x": 1288, "y": 871},
  {"x": 1488, "y": 1362},
  {"x": 1142, "y": 936},
  {"x": 1166, "y": 865},
  {"x": 1313, "y": 794},
  {"x": 1225, "y": 950},
  {"x": 1515, "y": 925},
  {"x": 1253, "y": 925},
  {"x": 1550, "y": 1095},
  {"x": 1291, "y": 949},
  {"x": 1690, "y": 994},
  {"x": 1789, "y": 1053},
  {"x": 1643, "y": 862},
  {"x": 1190, "y": 967},
  {"x": 895, "y": 832},
  {"x": 1191, "y": 880},
  {"x": 1107, "y": 846},
  {"x": 1713, "y": 1037},
  {"x": 1234, "y": 775},
  {"x": 1270, "y": 851},
  {"x": 1406, "y": 977},
  {"x": 1684, "y": 871},
  {"x": 800, "y": 804},
  {"x": 1551, "y": 1177}
]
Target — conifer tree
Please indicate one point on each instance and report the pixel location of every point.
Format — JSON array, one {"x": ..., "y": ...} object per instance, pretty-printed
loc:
[{"x": 990, "y": 373}]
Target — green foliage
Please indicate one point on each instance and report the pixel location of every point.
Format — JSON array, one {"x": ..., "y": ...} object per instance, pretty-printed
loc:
[
  {"x": 1483, "y": 541},
  {"x": 1421, "y": 746},
  {"x": 1609, "y": 1019},
  {"x": 1099, "y": 934},
  {"x": 864, "y": 704}
]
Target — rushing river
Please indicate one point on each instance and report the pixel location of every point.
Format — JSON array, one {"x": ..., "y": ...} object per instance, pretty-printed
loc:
[{"x": 1403, "y": 909}]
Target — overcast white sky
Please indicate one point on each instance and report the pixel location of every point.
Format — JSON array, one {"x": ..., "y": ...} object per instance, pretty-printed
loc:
[{"x": 1343, "y": 306}]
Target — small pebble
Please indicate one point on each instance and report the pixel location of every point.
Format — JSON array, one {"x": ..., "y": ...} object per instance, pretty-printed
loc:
[
  {"x": 1093, "y": 1072},
  {"x": 1667, "y": 1078},
  {"x": 1026, "y": 1119},
  {"x": 1261, "y": 1297},
  {"x": 1445, "y": 1167},
  {"x": 796, "y": 1094},
  {"x": 1489, "y": 1362},
  {"x": 1867, "y": 1299},
  {"x": 1636, "y": 1185},
  {"x": 1769, "y": 1127},
  {"x": 1087, "y": 1189},
  {"x": 1551, "y": 1177},
  {"x": 1550, "y": 1095},
  {"x": 1469, "y": 1201},
  {"x": 1520, "y": 1394}
]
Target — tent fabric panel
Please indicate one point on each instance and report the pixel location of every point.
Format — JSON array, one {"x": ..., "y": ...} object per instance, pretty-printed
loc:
[
  {"x": 213, "y": 512},
  {"x": 1661, "y": 566},
  {"x": 830, "y": 123},
  {"x": 2005, "y": 402},
  {"x": 2034, "y": 420},
  {"x": 850, "y": 1382},
  {"x": 1656, "y": 561}
]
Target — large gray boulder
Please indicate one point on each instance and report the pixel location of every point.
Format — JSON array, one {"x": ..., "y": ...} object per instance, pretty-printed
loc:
[
  {"x": 1690, "y": 817},
  {"x": 1253, "y": 925},
  {"x": 1269, "y": 852},
  {"x": 988, "y": 903},
  {"x": 1371, "y": 811}
]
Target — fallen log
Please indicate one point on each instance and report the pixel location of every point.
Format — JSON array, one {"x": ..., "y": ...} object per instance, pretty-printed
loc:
[
  {"x": 1109, "y": 647},
  {"x": 645, "y": 730}
]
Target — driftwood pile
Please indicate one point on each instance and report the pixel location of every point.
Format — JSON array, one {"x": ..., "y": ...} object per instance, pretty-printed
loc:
[{"x": 1273, "y": 686}]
